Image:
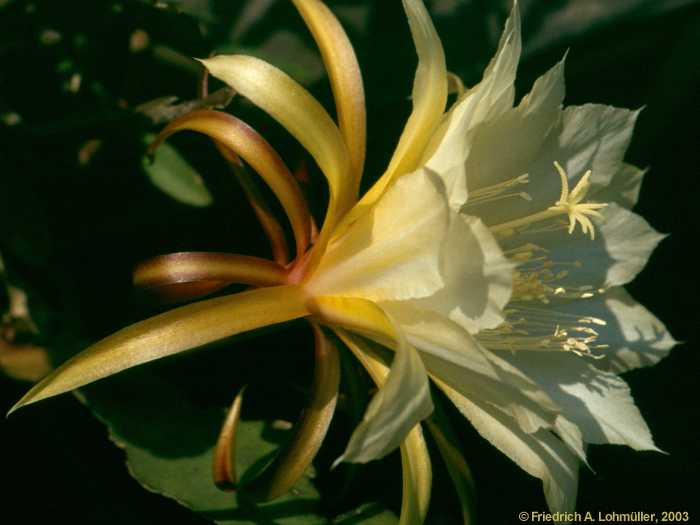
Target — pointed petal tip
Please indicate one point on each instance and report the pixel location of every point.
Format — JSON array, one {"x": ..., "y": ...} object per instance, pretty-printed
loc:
[
  {"x": 14, "y": 408},
  {"x": 26, "y": 399},
  {"x": 338, "y": 461}
]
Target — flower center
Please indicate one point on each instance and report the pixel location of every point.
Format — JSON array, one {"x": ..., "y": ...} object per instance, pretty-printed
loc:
[{"x": 570, "y": 203}]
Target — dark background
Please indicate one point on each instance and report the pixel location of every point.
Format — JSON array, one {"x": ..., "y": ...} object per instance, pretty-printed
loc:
[{"x": 71, "y": 231}]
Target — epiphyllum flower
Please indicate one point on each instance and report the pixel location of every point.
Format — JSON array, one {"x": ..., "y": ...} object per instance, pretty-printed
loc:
[{"x": 474, "y": 258}]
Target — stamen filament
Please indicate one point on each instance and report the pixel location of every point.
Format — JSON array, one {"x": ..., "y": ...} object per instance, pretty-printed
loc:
[
  {"x": 569, "y": 203},
  {"x": 524, "y": 221}
]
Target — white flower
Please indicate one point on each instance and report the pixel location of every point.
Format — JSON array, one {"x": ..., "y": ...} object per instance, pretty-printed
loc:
[
  {"x": 569, "y": 326},
  {"x": 489, "y": 257}
]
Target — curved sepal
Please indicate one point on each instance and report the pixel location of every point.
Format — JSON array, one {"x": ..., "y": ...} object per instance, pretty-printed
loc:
[
  {"x": 169, "y": 333},
  {"x": 239, "y": 137},
  {"x": 345, "y": 78},
  {"x": 415, "y": 460},
  {"x": 186, "y": 275}
]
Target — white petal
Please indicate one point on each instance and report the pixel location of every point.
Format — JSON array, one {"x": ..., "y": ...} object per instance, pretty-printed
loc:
[
  {"x": 622, "y": 189},
  {"x": 491, "y": 97},
  {"x": 629, "y": 241},
  {"x": 586, "y": 137},
  {"x": 644, "y": 340},
  {"x": 437, "y": 335},
  {"x": 622, "y": 245},
  {"x": 595, "y": 137},
  {"x": 429, "y": 91},
  {"x": 635, "y": 337},
  {"x": 598, "y": 402},
  {"x": 477, "y": 276},
  {"x": 505, "y": 147},
  {"x": 399, "y": 405},
  {"x": 393, "y": 251},
  {"x": 454, "y": 357},
  {"x": 541, "y": 454}
]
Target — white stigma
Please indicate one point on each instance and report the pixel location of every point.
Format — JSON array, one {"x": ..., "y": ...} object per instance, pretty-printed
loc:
[{"x": 570, "y": 203}]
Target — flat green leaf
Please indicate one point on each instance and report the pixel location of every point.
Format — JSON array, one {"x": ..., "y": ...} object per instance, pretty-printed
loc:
[
  {"x": 175, "y": 177},
  {"x": 169, "y": 443}
]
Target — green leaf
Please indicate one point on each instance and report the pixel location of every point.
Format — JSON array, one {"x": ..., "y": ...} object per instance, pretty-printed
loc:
[
  {"x": 169, "y": 444},
  {"x": 174, "y": 176}
]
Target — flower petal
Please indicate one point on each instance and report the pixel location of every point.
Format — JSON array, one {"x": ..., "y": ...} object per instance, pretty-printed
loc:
[
  {"x": 643, "y": 339},
  {"x": 622, "y": 246},
  {"x": 634, "y": 336},
  {"x": 524, "y": 129},
  {"x": 296, "y": 455},
  {"x": 415, "y": 460},
  {"x": 429, "y": 91},
  {"x": 450, "y": 144},
  {"x": 345, "y": 77},
  {"x": 453, "y": 356},
  {"x": 169, "y": 333},
  {"x": 540, "y": 454},
  {"x": 208, "y": 270},
  {"x": 235, "y": 135},
  {"x": 403, "y": 400},
  {"x": 268, "y": 222},
  {"x": 598, "y": 402},
  {"x": 429, "y": 99},
  {"x": 622, "y": 189},
  {"x": 441, "y": 337},
  {"x": 417, "y": 478},
  {"x": 294, "y": 108},
  {"x": 596, "y": 137},
  {"x": 393, "y": 251},
  {"x": 590, "y": 137},
  {"x": 629, "y": 241},
  {"x": 224, "y": 460},
  {"x": 478, "y": 278}
]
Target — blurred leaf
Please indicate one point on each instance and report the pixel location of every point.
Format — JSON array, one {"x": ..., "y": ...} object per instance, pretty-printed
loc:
[
  {"x": 552, "y": 23},
  {"x": 174, "y": 176},
  {"x": 169, "y": 443},
  {"x": 249, "y": 14},
  {"x": 287, "y": 51},
  {"x": 24, "y": 362}
]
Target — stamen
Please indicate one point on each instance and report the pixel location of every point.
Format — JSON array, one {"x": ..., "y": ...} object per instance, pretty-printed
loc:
[
  {"x": 496, "y": 192},
  {"x": 537, "y": 277},
  {"x": 537, "y": 329}
]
